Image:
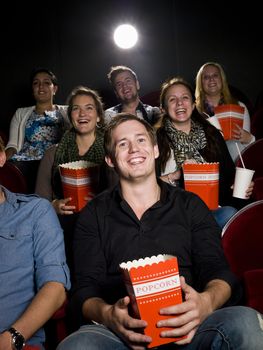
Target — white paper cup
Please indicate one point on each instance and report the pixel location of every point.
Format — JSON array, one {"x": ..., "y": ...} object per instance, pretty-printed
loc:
[
  {"x": 214, "y": 121},
  {"x": 242, "y": 181}
]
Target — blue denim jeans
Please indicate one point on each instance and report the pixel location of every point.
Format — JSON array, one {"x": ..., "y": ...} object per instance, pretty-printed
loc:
[
  {"x": 223, "y": 214},
  {"x": 230, "y": 328}
]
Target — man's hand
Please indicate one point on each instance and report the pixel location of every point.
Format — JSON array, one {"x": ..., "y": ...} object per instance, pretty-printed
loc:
[
  {"x": 194, "y": 310},
  {"x": 5, "y": 341},
  {"x": 128, "y": 328},
  {"x": 188, "y": 315},
  {"x": 116, "y": 317}
]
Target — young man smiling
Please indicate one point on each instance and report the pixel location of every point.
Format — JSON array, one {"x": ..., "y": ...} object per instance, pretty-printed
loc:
[
  {"x": 143, "y": 216},
  {"x": 126, "y": 87}
]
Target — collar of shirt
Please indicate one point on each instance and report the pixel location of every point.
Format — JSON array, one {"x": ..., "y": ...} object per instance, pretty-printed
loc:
[{"x": 15, "y": 198}]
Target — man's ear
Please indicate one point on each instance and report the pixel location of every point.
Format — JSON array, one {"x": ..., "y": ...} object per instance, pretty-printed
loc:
[
  {"x": 2, "y": 158},
  {"x": 137, "y": 85},
  {"x": 156, "y": 151},
  {"x": 109, "y": 162}
]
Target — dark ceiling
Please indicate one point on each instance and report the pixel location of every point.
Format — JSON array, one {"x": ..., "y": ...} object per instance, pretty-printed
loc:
[{"x": 75, "y": 40}]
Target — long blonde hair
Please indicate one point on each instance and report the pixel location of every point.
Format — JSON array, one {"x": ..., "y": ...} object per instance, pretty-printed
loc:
[{"x": 199, "y": 92}]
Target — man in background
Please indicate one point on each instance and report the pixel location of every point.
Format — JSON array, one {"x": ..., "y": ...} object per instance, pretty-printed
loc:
[{"x": 126, "y": 87}]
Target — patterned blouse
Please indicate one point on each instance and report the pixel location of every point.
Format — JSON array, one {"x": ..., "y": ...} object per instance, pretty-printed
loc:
[{"x": 42, "y": 131}]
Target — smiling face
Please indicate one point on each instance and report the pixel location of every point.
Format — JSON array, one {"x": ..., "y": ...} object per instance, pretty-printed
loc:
[
  {"x": 179, "y": 105},
  {"x": 84, "y": 114},
  {"x": 212, "y": 81},
  {"x": 135, "y": 152},
  {"x": 126, "y": 87},
  {"x": 43, "y": 87}
]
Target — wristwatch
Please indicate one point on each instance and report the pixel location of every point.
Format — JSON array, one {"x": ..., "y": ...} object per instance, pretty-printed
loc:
[{"x": 18, "y": 341}]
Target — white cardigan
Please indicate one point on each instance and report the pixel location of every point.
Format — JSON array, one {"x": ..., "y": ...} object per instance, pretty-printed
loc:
[{"x": 18, "y": 125}]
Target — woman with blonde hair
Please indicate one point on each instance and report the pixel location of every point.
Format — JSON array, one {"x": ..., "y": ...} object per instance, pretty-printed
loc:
[{"x": 212, "y": 90}]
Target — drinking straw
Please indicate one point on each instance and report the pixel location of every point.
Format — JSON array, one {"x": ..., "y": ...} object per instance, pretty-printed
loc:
[
  {"x": 240, "y": 156},
  {"x": 208, "y": 116}
]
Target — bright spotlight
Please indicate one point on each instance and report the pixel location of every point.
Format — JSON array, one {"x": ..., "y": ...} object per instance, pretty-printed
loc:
[{"x": 125, "y": 36}]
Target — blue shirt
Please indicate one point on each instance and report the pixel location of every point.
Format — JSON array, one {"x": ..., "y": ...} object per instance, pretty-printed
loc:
[{"x": 31, "y": 253}]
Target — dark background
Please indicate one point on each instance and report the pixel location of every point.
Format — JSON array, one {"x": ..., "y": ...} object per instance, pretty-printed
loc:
[{"x": 75, "y": 40}]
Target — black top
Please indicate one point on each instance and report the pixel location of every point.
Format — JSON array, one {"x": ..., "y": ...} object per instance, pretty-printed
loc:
[
  {"x": 226, "y": 167},
  {"x": 108, "y": 233}
]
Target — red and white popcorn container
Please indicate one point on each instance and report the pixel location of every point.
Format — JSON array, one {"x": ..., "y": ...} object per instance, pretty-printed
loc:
[
  {"x": 203, "y": 180},
  {"x": 229, "y": 116},
  {"x": 79, "y": 181},
  {"x": 152, "y": 283}
]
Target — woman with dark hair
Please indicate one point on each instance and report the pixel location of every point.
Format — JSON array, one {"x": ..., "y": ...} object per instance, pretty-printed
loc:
[
  {"x": 34, "y": 129},
  {"x": 84, "y": 141},
  {"x": 183, "y": 133}
]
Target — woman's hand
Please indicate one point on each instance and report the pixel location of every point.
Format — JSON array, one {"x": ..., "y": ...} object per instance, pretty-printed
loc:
[
  {"x": 171, "y": 178},
  {"x": 10, "y": 152},
  {"x": 61, "y": 207},
  {"x": 190, "y": 161},
  {"x": 249, "y": 190},
  {"x": 241, "y": 135}
]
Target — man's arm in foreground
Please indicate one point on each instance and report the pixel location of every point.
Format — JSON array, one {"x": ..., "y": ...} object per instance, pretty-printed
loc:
[{"x": 48, "y": 299}]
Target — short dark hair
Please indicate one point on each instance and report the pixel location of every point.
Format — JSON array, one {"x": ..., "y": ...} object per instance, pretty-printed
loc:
[
  {"x": 37, "y": 70},
  {"x": 116, "y": 121},
  {"x": 115, "y": 70}
]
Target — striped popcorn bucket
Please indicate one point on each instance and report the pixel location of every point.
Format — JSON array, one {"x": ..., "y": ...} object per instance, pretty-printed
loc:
[
  {"x": 79, "y": 181},
  {"x": 203, "y": 180},
  {"x": 229, "y": 116}
]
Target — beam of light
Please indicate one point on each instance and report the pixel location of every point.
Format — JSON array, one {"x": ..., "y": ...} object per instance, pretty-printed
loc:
[{"x": 125, "y": 36}]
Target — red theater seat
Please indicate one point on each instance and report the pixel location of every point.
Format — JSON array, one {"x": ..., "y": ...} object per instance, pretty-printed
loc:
[
  {"x": 242, "y": 239},
  {"x": 12, "y": 178}
]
